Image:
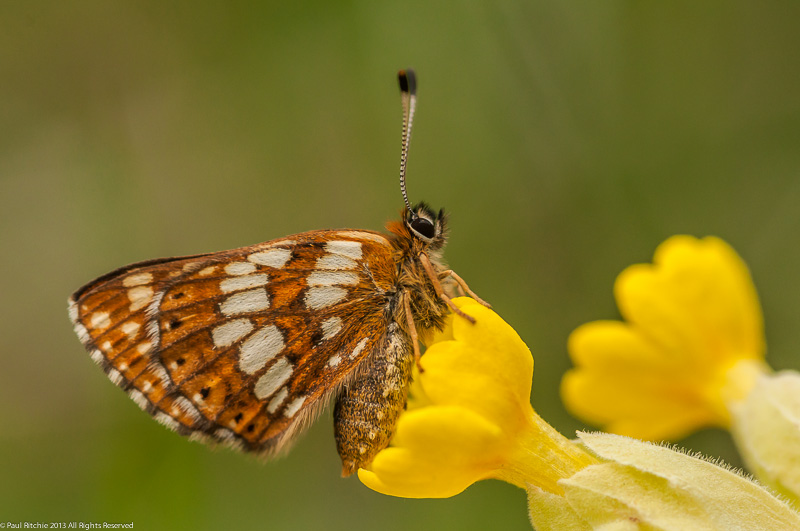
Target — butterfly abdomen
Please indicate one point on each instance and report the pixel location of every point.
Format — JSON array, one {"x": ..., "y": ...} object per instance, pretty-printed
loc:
[{"x": 367, "y": 411}]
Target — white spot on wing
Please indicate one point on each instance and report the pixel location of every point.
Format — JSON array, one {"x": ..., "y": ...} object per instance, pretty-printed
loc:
[
  {"x": 324, "y": 296},
  {"x": 151, "y": 327},
  {"x": 294, "y": 406},
  {"x": 344, "y": 248},
  {"x": 362, "y": 235},
  {"x": 207, "y": 271},
  {"x": 330, "y": 327},
  {"x": 259, "y": 348},
  {"x": 137, "y": 280},
  {"x": 331, "y": 278},
  {"x": 277, "y": 400},
  {"x": 276, "y": 258},
  {"x": 198, "y": 435},
  {"x": 166, "y": 420},
  {"x": 228, "y": 437},
  {"x": 130, "y": 329},
  {"x": 229, "y": 333},
  {"x": 240, "y": 268},
  {"x": 160, "y": 373},
  {"x": 99, "y": 320},
  {"x": 139, "y": 297},
  {"x": 334, "y": 360},
  {"x": 188, "y": 408},
  {"x": 335, "y": 261},
  {"x": 96, "y": 356},
  {"x": 139, "y": 398},
  {"x": 243, "y": 282},
  {"x": 114, "y": 376},
  {"x": 83, "y": 334},
  {"x": 247, "y": 301},
  {"x": 282, "y": 243},
  {"x": 273, "y": 379},
  {"x": 359, "y": 347},
  {"x": 72, "y": 307},
  {"x": 144, "y": 347}
]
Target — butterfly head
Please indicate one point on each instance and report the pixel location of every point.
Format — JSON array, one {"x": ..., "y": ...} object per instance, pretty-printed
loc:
[{"x": 427, "y": 225}]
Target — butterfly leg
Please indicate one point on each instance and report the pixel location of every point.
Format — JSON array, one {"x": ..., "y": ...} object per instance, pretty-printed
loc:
[
  {"x": 426, "y": 264},
  {"x": 412, "y": 330},
  {"x": 463, "y": 285}
]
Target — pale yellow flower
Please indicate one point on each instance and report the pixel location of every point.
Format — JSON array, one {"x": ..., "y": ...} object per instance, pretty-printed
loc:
[
  {"x": 639, "y": 485},
  {"x": 766, "y": 429}
]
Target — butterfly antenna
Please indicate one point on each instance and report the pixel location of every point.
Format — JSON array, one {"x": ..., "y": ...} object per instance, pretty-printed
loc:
[{"x": 408, "y": 97}]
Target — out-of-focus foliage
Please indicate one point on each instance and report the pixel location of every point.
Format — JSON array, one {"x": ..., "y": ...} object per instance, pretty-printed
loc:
[{"x": 566, "y": 140}]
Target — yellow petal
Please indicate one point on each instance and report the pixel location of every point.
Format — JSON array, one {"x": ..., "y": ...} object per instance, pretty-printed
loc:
[
  {"x": 624, "y": 383},
  {"x": 486, "y": 368},
  {"x": 690, "y": 317},
  {"x": 470, "y": 418},
  {"x": 697, "y": 302},
  {"x": 438, "y": 452}
]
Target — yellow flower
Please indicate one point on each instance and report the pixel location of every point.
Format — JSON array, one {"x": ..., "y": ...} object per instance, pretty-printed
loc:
[
  {"x": 691, "y": 344},
  {"x": 690, "y": 354},
  {"x": 470, "y": 418}
]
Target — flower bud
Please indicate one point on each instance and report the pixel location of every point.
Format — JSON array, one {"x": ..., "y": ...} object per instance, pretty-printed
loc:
[{"x": 766, "y": 428}]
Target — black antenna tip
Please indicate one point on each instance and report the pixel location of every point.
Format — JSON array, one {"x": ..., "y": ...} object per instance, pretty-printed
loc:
[{"x": 408, "y": 81}]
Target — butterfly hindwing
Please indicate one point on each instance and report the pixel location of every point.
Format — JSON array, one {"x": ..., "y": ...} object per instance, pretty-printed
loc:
[{"x": 242, "y": 346}]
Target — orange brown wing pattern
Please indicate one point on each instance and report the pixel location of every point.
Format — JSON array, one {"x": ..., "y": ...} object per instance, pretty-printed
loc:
[{"x": 242, "y": 346}]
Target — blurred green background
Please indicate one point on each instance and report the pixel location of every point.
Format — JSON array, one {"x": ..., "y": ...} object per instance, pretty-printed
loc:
[{"x": 567, "y": 139}]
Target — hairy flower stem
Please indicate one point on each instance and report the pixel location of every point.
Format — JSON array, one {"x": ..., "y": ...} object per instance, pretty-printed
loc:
[{"x": 542, "y": 457}]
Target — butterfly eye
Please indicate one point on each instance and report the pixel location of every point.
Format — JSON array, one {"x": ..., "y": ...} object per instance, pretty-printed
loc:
[{"x": 423, "y": 227}]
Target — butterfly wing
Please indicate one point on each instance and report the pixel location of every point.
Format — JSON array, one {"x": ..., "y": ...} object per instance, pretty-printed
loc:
[{"x": 245, "y": 346}]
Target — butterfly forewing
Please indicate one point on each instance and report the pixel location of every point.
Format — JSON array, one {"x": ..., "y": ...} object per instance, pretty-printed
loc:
[{"x": 242, "y": 346}]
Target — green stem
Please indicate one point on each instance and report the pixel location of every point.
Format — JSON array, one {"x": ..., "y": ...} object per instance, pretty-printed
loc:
[{"x": 541, "y": 457}]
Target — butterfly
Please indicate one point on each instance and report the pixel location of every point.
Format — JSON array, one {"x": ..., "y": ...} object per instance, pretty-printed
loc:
[{"x": 246, "y": 347}]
